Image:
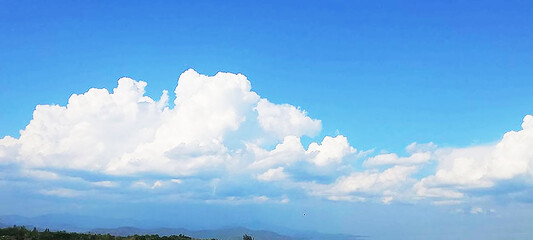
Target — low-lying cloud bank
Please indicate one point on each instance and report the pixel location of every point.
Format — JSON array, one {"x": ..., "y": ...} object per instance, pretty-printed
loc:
[{"x": 222, "y": 142}]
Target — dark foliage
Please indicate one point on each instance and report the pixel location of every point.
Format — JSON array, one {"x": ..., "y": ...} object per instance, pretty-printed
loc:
[{"x": 21, "y": 233}]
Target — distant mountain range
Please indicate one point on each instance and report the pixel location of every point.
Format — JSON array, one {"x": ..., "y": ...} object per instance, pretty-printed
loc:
[
  {"x": 222, "y": 234},
  {"x": 234, "y": 233},
  {"x": 68, "y": 223}
]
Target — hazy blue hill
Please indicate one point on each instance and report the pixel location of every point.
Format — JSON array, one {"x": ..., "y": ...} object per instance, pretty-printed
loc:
[
  {"x": 226, "y": 233},
  {"x": 236, "y": 234},
  {"x": 88, "y": 224},
  {"x": 222, "y": 234}
]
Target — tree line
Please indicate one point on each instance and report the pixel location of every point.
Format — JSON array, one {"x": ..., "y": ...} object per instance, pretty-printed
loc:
[{"x": 22, "y": 233}]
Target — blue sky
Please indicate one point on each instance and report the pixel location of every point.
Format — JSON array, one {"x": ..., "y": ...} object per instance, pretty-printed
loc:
[{"x": 362, "y": 81}]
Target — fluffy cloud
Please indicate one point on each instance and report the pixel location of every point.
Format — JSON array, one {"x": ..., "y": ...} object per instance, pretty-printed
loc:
[
  {"x": 217, "y": 131},
  {"x": 332, "y": 150},
  {"x": 287, "y": 152},
  {"x": 125, "y": 132},
  {"x": 92, "y": 130},
  {"x": 222, "y": 142},
  {"x": 285, "y": 119},
  {"x": 386, "y": 184},
  {"x": 482, "y": 167}
]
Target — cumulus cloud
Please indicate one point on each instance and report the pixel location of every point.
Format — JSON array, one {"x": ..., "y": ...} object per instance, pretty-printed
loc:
[
  {"x": 286, "y": 152},
  {"x": 482, "y": 167},
  {"x": 286, "y": 119},
  {"x": 218, "y": 127},
  {"x": 92, "y": 130},
  {"x": 332, "y": 150},
  {"x": 221, "y": 141},
  {"x": 125, "y": 132},
  {"x": 329, "y": 153}
]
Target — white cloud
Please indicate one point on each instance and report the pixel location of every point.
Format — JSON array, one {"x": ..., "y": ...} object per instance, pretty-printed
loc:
[
  {"x": 219, "y": 133},
  {"x": 465, "y": 166},
  {"x": 513, "y": 155},
  {"x": 273, "y": 174},
  {"x": 9, "y": 148},
  {"x": 332, "y": 150},
  {"x": 285, "y": 119},
  {"x": 261, "y": 198},
  {"x": 94, "y": 128},
  {"x": 393, "y": 159},
  {"x": 39, "y": 174},
  {"x": 124, "y": 132},
  {"x": 388, "y": 184},
  {"x": 290, "y": 150},
  {"x": 436, "y": 192},
  {"x": 191, "y": 135},
  {"x": 482, "y": 167},
  {"x": 420, "y": 153},
  {"x": 177, "y": 181}
]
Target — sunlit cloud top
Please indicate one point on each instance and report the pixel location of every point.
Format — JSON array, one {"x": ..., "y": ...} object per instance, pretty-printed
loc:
[{"x": 222, "y": 142}]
